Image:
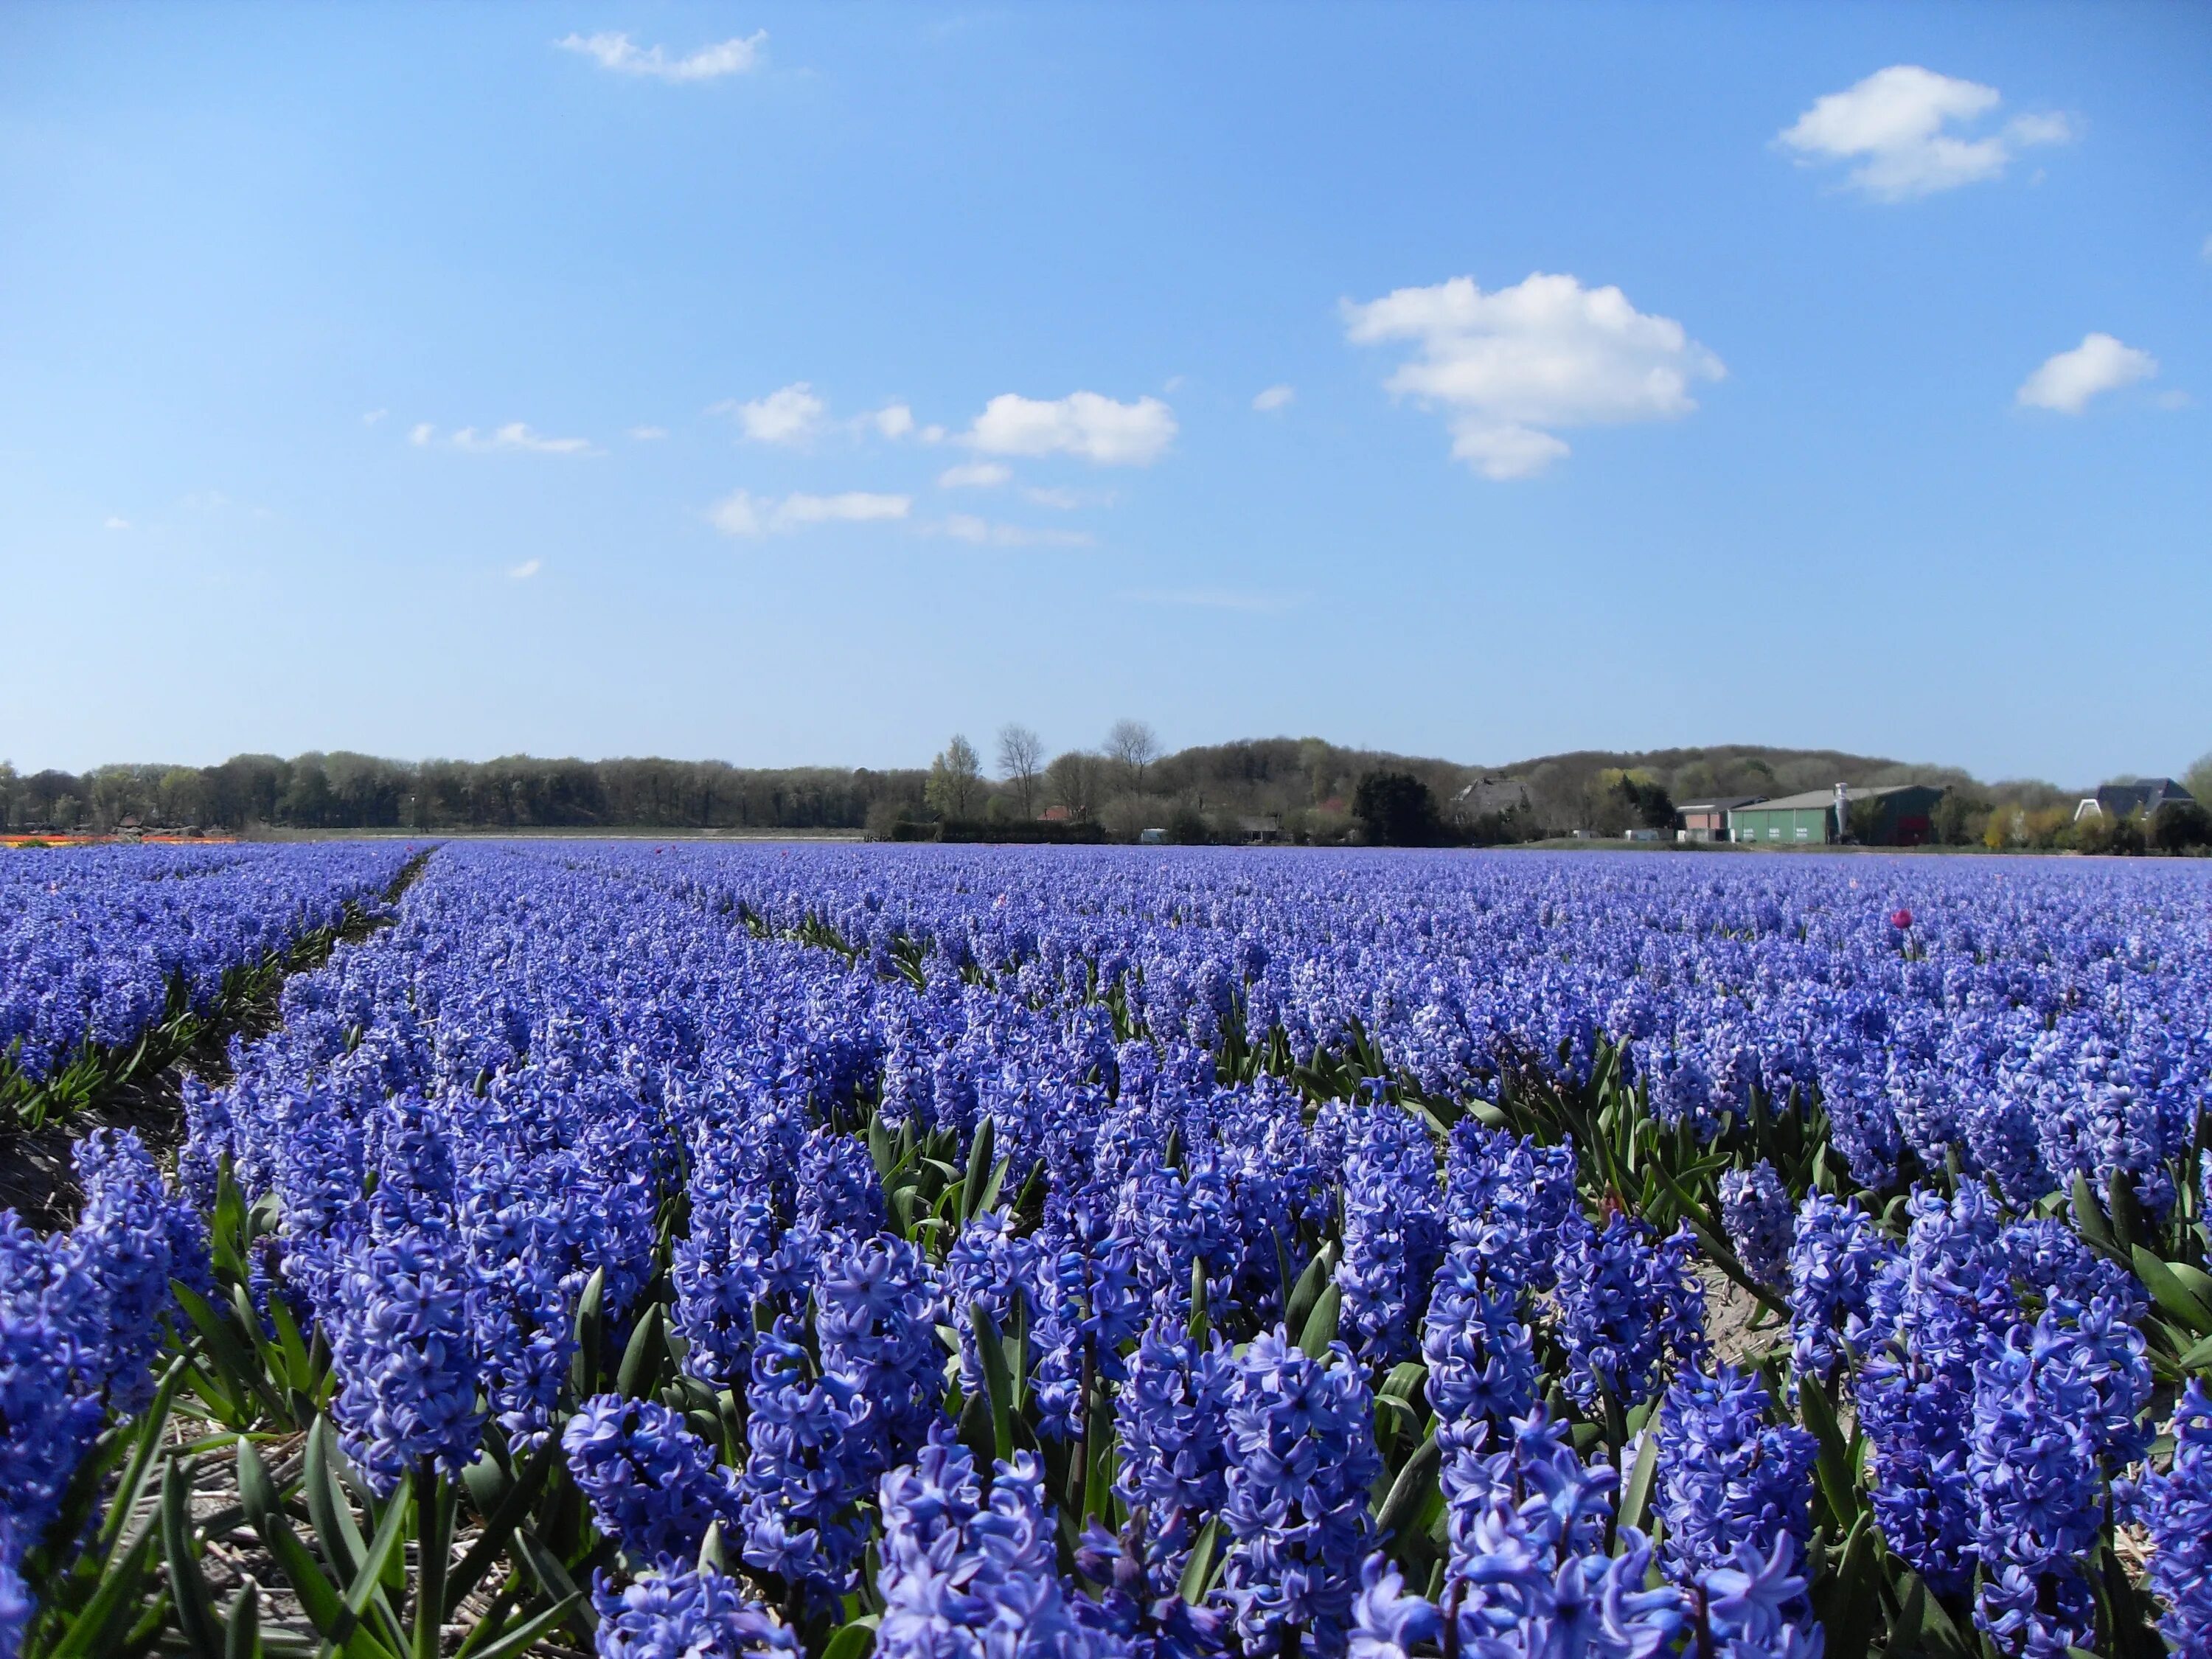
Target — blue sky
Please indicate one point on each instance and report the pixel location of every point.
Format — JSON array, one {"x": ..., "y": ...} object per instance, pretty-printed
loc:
[{"x": 804, "y": 384}]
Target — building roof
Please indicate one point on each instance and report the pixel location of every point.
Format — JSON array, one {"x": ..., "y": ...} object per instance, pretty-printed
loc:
[
  {"x": 2148, "y": 794},
  {"x": 1813, "y": 798},
  {"x": 1719, "y": 803}
]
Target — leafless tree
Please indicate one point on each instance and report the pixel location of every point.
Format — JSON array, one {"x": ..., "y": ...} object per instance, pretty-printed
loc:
[
  {"x": 1075, "y": 782},
  {"x": 1132, "y": 745},
  {"x": 1021, "y": 759}
]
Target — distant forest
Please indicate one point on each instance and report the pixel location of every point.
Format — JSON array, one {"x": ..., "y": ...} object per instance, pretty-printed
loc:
[{"x": 1290, "y": 788}]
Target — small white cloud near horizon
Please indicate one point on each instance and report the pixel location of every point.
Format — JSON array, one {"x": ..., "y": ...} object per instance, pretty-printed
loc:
[
  {"x": 373, "y": 416},
  {"x": 737, "y": 56},
  {"x": 1509, "y": 365},
  {"x": 2067, "y": 380},
  {"x": 1082, "y": 423},
  {"x": 645, "y": 434},
  {"x": 1274, "y": 397},
  {"x": 743, "y": 513},
  {"x": 975, "y": 475},
  {"x": 982, "y": 533},
  {"x": 1251, "y": 601},
  {"x": 421, "y": 433},
  {"x": 1897, "y": 124},
  {"x": 114, "y": 523},
  {"x": 526, "y": 570},
  {"x": 892, "y": 421},
  {"x": 789, "y": 414},
  {"x": 515, "y": 435}
]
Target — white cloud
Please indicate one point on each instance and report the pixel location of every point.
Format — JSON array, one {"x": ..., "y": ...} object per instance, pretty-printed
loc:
[
  {"x": 2067, "y": 381},
  {"x": 645, "y": 434},
  {"x": 981, "y": 533},
  {"x": 1897, "y": 124},
  {"x": 791, "y": 415},
  {"x": 1081, "y": 424},
  {"x": 1066, "y": 500},
  {"x": 515, "y": 436},
  {"x": 526, "y": 569},
  {"x": 422, "y": 434},
  {"x": 2205, "y": 253},
  {"x": 737, "y": 56},
  {"x": 114, "y": 523},
  {"x": 742, "y": 513},
  {"x": 1274, "y": 397},
  {"x": 975, "y": 475},
  {"x": 893, "y": 421},
  {"x": 1509, "y": 365},
  {"x": 373, "y": 416}
]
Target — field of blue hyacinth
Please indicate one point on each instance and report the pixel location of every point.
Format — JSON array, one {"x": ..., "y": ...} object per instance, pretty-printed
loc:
[{"x": 696, "y": 1251}]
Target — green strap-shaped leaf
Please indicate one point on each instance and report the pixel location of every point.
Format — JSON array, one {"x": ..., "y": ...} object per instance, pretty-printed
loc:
[
  {"x": 527, "y": 1634},
  {"x": 1198, "y": 1571},
  {"x": 239, "y": 1369},
  {"x": 1411, "y": 1489},
  {"x": 590, "y": 1334},
  {"x": 640, "y": 1360},
  {"x": 981, "y": 1152},
  {"x": 2171, "y": 1293},
  {"x": 92, "y": 1634},
  {"x": 242, "y": 1640},
  {"x": 998, "y": 1384},
  {"x": 852, "y": 1640},
  {"x": 1320, "y": 1330},
  {"x": 553, "y": 1579},
  {"x": 516, "y": 1500},
  {"x": 188, "y": 1585},
  {"x": 1636, "y": 1494}
]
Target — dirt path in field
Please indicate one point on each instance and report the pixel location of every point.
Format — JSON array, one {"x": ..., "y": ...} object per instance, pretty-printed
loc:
[{"x": 38, "y": 1177}]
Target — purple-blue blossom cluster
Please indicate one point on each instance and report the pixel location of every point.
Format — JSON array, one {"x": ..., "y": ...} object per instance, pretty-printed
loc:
[{"x": 973, "y": 1223}]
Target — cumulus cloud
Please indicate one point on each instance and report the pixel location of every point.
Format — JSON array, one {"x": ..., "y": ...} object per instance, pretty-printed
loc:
[
  {"x": 515, "y": 436},
  {"x": 645, "y": 434},
  {"x": 1274, "y": 397},
  {"x": 2067, "y": 380},
  {"x": 1508, "y": 366},
  {"x": 373, "y": 416},
  {"x": 1899, "y": 126},
  {"x": 617, "y": 52},
  {"x": 114, "y": 523},
  {"x": 421, "y": 433},
  {"x": 893, "y": 421},
  {"x": 975, "y": 475},
  {"x": 1082, "y": 423},
  {"x": 982, "y": 533},
  {"x": 742, "y": 513},
  {"x": 526, "y": 570},
  {"x": 790, "y": 415}
]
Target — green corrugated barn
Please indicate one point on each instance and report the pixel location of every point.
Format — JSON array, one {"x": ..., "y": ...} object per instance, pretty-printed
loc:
[{"x": 1901, "y": 816}]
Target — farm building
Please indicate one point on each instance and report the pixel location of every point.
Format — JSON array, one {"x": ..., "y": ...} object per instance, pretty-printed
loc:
[
  {"x": 2125, "y": 800},
  {"x": 1708, "y": 820},
  {"x": 1900, "y": 814}
]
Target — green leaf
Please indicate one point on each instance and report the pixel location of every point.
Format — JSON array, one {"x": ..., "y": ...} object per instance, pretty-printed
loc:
[
  {"x": 1320, "y": 1328},
  {"x": 527, "y": 1634},
  {"x": 239, "y": 1370},
  {"x": 369, "y": 1576},
  {"x": 552, "y": 1578},
  {"x": 131, "y": 1489},
  {"x": 515, "y": 1501},
  {"x": 590, "y": 1334},
  {"x": 1845, "y": 1597},
  {"x": 1197, "y": 1327},
  {"x": 2089, "y": 1218},
  {"x": 1411, "y": 1489},
  {"x": 335, "y": 1528},
  {"x": 1635, "y": 1493},
  {"x": 1832, "y": 1467},
  {"x": 1198, "y": 1571},
  {"x": 242, "y": 1640},
  {"x": 998, "y": 1383},
  {"x": 981, "y": 1152},
  {"x": 640, "y": 1360},
  {"x": 122, "y": 1585},
  {"x": 2171, "y": 1293},
  {"x": 1307, "y": 1289},
  {"x": 188, "y": 1585},
  {"x": 852, "y": 1640}
]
